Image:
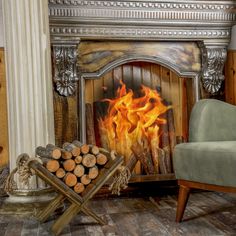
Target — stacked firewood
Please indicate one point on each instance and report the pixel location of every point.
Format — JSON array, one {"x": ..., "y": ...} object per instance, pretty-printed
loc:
[{"x": 75, "y": 163}]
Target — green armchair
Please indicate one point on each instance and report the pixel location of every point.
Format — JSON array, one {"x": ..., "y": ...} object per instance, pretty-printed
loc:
[{"x": 208, "y": 160}]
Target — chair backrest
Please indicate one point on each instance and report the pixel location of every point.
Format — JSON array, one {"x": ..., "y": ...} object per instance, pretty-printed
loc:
[{"x": 212, "y": 120}]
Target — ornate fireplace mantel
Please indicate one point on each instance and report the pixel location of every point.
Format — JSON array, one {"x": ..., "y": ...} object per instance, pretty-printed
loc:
[{"x": 206, "y": 22}]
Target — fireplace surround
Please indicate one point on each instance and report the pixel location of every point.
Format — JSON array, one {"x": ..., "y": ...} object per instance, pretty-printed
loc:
[
  {"x": 206, "y": 24},
  {"x": 203, "y": 25}
]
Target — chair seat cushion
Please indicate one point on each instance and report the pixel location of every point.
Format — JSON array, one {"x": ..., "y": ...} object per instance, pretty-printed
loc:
[{"x": 206, "y": 162}]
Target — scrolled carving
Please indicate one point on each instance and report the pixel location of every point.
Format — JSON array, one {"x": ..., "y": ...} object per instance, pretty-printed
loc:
[
  {"x": 213, "y": 60},
  {"x": 65, "y": 74}
]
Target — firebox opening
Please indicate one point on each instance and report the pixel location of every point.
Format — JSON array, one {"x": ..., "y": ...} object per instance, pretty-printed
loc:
[{"x": 155, "y": 134}]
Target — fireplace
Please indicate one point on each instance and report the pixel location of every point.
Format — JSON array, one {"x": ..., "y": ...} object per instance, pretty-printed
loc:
[{"x": 176, "y": 50}]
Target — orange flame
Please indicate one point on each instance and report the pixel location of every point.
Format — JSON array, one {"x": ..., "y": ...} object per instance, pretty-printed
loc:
[{"x": 130, "y": 119}]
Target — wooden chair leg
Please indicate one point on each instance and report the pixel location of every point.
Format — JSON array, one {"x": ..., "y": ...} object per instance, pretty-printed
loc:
[{"x": 182, "y": 202}]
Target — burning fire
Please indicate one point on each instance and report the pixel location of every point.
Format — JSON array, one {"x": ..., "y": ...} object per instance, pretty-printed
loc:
[{"x": 131, "y": 119}]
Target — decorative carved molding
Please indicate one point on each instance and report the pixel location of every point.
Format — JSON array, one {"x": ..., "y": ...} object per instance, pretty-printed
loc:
[
  {"x": 213, "y": 60},
  {"x": 65, "y": 73},
  {"x": 141, "y": 32},
  {"x": 184, "y": 4},
  {"x": 160, "y": 20}
]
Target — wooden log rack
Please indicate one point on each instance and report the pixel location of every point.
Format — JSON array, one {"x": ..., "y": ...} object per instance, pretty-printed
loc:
[{"x": 78, "y": 202}]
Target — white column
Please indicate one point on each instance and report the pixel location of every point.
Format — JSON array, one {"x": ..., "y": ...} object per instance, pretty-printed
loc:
[{"x": 30, "y": 101}]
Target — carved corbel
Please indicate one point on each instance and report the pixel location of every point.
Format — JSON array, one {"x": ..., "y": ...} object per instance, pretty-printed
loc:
[
  {"x": 65, "y": 72},
  {"x": 213, "y": 60}
]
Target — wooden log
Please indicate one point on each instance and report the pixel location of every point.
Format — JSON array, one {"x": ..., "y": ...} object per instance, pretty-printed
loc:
[
  {"x": 165, "y": 142},
  {"x": 79, "y": 188},
  {"x": 84, "y": 148},
  {"x": 96, "y": 126},
  {"x": 143, "y": 155},
  {"x": 60, "y": 173},
  {"x": 69, "y": 165},
  {"x": 52, "y": 165},
  {"x": 70, "y": 147},
  {"x": 79, "y": 170},
  {"x": 155, "y": 159},
  {"x": 162, "y": 161},
  {"x": 77, "y": 143},
  {"x": 94, "y": 149},
  {"x": 172, "y": 137},
  {"x": 90, "y": 134},
  {"x": 101, "y": 159},
  {"x": 70, "y": 179},
  {"x": 168, "y": 159},
  {"x": 65, "y": 154},
  {"x": 54, "y": 151},
  {"x": 89, "y": 160},
  {"x": 85, "y": 180},
  {"x": 131, "y": 162},
  {"x": 100, "y": 110},
  {"x": 44, "y": 152},
  {"x": 93, "y": 172},
  {"x": 78, "y": 159}
]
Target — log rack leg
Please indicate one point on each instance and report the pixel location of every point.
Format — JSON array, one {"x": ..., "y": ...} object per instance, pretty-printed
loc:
[
  {"x": 182, "y": 202},
  {"x": 93, "y": 215},
  {"x": 65, "y": 218},
  {"x": 52, "y": 206},
  {"x": 69, "y": 214}
]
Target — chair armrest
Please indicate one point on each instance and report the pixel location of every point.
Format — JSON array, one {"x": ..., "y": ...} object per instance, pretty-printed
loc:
[{"x": 212, "y": 120}]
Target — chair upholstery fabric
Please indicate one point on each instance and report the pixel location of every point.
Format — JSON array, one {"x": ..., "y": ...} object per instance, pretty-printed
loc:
[
  {"x": 210, "y": 156},
  {"x": 212, "y": 120},
  {"x": 206, "y": 162}
]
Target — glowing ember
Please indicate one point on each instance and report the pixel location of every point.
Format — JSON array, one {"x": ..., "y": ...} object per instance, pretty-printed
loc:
[{"x": 131, "y": 119}]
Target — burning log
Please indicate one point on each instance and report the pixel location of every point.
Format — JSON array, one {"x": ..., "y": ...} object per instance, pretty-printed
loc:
[
  {"x": 100, "y": 110},
  {"x": 165, "y": 142},
  {"x": 143, "y": 155},
  {"x": 155, "y": 159},
  {"x": 90, "y": 134},
  {"x": 171, "y": 129},
  {"x": 162, "y": 160},
  {"x": 154, "y": 144},
  {"x": 131, "y": 163}
]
